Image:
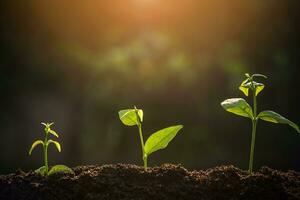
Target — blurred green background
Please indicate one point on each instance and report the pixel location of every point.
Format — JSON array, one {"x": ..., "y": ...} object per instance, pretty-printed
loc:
[{"x": 76, "y": 63}]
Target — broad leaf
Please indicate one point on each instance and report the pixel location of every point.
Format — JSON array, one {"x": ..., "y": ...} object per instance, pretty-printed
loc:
[
  {"x": 60, "y": 169},
  {"x": 129, "y": 118},
  {"x": 55, "y": 143},
  {"x": 160, "y": 139},
  {"x": 274, "y": 117},
  {"x": 238, "y": 106},
  {"x": 41, "y": 171},
  {"x": 35, "y": 144},
  {"x": 53, "y": 133}
]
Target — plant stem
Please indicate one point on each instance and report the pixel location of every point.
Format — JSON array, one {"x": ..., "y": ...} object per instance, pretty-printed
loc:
[
  {"x": 142, "y": 144},
  {"x": 46, "y": 154},
  {"x": 254, "y": 123}
]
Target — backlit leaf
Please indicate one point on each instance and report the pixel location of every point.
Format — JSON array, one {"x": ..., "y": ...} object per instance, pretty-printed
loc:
[
  {"x": 53, "y": 133},
  {"x": 238, "y": 106},
  {"x": 35, "y": 144},
  {"x": 55, "y": 143},
  {"x": 160, "y": 139},
  {"x": 274, "y": 117},
  {"x": 129, "y": 118}
]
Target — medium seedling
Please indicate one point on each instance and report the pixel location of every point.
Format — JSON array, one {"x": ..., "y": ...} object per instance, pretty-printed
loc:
[
  {"x": 44, "y": 170},
  {"x": 240, "y": 107},
  {"x": 158, "y": 140}
]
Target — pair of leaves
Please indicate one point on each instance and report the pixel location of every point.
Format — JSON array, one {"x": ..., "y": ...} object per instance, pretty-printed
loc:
[
  {"x": 48, "y": 129},
  {"x": 36, "y": 143},
  {"x": 158, "y": 140},
  {"x": 248, "y": 83},
  {"x": 54, "y": 170},
  {"x": 240, "y": 107}
]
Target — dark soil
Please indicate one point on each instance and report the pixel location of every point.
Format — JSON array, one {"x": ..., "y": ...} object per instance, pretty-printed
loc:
[{"x": 166, "y": 182}]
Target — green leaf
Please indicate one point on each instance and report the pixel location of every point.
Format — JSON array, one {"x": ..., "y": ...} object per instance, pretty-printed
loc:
[
  {"x": 35, "y": 144},
  {"x": 258, "y": 88},
  {"x": 56, "y": 144},
  {"x": 41, "y": 171},
  {"x": 238, "y": 106},
  {"x": 244, "y": 88},
  {"x": 274, "y": 117},
  {"x": 129, "y": 118},
  {"x": 259, "y": 75},
  {"x": 160, "y": 139},
  {"x": 60, "y": 169},
  {"x": 53, "y": 133}
]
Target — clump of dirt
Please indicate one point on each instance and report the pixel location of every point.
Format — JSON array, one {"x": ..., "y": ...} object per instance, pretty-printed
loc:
[{"x": 121, "y": 181}]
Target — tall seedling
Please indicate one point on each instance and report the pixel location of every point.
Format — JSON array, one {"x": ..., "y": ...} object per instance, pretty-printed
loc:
[{"x": 240, "y": 107}]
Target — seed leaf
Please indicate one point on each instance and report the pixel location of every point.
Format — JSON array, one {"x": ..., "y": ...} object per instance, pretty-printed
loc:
[
  {"x": 41, "y": 170},
  {"x": 238, "y": 106},
  {"x": 129, "y": 118},
  {"x": 160, "y": 139},
  {"x": 60, "y": 169},
  {"x": 53, "y": 133},
  {"x": 56, "y": 144},
  {"x": 274, "y": 117},
  {"x": 35, "y": 144}
]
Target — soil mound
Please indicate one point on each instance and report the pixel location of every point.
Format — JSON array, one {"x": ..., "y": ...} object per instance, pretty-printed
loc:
[{"x": 170, "y": 182}]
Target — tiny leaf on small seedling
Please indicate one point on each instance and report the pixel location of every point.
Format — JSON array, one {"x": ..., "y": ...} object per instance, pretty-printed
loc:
[
  {"x": 60, "y": 169},
  {"x": 274, "y": 117},
  {"x": 53, "y": 133},
  {"x": 238, "y": 106},
  {"x": 35, "y": 144},
  {"x": 160, "y": 139},
  {"x": 55, "y": 143},
  {"x": 156, "y": 141}
]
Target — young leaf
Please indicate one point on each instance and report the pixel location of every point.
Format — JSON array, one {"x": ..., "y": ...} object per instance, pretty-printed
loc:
[
  {"x": 129, "y": 118},
  {"x": 160, "y": 139},
  {"x": 274, "y": 117},
  {"x": 35, "y": 144},
  {"x": 238, "y": 106},
  {"x": 60, "y": 169},
  {"x": 244, "y": 88},
  {"x": 41, "y": 170},
  {"x": 259, "y": 87},
  {"x": 53, "y": 132},
  {"x": 56, "y": 144},
  {"x": 259, "y": 75}
]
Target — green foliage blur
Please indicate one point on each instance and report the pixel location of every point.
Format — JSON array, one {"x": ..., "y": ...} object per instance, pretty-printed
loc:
[{"x": 78, "y": 62}]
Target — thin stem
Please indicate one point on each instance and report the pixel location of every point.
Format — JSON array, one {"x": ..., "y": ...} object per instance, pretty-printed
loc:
[
  {"x": 143, "y": 145},
  {"x": 254, "y": 124},
  {"x": 46, "y": 154}
]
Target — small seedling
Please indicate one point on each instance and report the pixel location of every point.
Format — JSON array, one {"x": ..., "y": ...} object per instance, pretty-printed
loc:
[
  {"x": 44, "y": 170},
  {"x": 158, "y": 140},
  {"x": 240, "y": 107}
]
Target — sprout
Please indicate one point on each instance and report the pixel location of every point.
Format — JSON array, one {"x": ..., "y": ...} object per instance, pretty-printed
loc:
[
  {"x": 44, "y": 170},
  {"x": 239, "y": 106},
  {"x": 158, "y": 140}
]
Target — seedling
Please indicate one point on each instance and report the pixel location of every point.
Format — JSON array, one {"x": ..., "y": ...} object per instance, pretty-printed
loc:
[
  {"x": 240, "y": 107},
  {"x": 44, "y": 170},
  {"x": 158, "y": 140}
]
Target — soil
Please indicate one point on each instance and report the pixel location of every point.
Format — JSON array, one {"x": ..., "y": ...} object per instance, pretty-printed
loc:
[{"x": 121, "y": 181}]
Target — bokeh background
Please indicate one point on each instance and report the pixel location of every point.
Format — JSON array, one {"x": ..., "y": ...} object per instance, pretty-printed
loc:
[{"x": 76, "y": 63}]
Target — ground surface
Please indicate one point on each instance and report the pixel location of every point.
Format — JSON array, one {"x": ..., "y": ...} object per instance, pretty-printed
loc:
[{"x": 117, "y": 182}]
